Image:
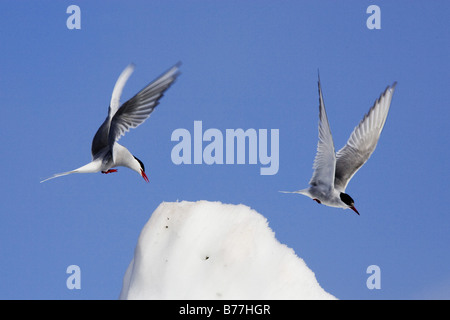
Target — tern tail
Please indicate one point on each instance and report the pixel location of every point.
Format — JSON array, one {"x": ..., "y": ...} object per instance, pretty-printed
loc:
[
  {"x": 91, "y": 167},
  {"x": 56, "y": 175},
  {"x": 303, "y": 191}
]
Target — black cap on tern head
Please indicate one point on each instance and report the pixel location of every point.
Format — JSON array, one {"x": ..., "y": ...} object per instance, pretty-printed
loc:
[
  {"x": 348, "y": 201},
  {"x": 141, "y": 163}
]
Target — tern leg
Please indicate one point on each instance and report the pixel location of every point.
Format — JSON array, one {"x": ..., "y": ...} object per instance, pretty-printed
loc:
[{"x": 109, "y": 171}]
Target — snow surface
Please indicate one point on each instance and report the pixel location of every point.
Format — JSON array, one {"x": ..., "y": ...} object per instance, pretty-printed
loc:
[{"x": 210, "y": 250}]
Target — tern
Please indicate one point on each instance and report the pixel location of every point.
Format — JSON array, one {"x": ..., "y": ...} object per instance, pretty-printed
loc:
[
  {"x": 333, "y": 171},
  {"x": 107, "y": 153}
]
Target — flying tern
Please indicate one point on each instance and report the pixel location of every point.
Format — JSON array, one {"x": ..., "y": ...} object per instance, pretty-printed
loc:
[
  {"x": 333, "y": 171},
  {"x": 107, "y": 153}
]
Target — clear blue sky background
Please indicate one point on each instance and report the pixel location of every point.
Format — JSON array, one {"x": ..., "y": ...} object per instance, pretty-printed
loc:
[{"x": 246, "y": 64}]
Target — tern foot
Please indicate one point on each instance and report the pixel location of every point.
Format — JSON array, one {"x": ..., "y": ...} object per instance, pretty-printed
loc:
[
  {"x": 109, "y": 171},
  {"x": 317, "y": 200}
]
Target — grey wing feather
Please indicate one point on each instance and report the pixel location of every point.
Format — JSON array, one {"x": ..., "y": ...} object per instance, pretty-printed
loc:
[
  {"x": 136, "y": 110},
  {"x": 324, "y": 162},
  {"x": 100, "y": 140},
  {"x": 363, "y": 140}
]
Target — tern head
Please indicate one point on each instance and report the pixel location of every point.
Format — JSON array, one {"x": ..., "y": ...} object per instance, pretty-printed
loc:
[
  {"x": 345, "y": 198},
  {"x": 140, "y": 168}
]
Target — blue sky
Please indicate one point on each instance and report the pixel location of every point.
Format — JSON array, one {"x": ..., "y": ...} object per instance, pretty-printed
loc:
[{"x": 249, "y": 64}]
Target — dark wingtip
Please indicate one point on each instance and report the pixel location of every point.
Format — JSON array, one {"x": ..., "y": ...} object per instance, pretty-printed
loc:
[{"x": 394, "y": 85}]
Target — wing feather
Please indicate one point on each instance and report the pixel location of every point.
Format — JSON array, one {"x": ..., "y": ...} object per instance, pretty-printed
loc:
[
  {"x": 136, "y": 110},
  {"x": 363, "y": 140},
  {"x": 324, "y": 162}
]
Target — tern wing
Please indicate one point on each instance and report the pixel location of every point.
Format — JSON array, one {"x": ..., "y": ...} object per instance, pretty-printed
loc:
[
  {"x": 363, "y": 140},
  {"x": 136, "y": 110},
  {"x": 325, "y": 160},
  {"x": 118, "y": 88},
  {"x": 100, "y": 140}
]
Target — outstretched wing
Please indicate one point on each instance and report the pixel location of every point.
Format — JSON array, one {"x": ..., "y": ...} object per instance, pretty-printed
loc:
[
  {"x": 363, "y": 140},
  {"x": 325, "y": 160},
  {"x": 136, "y": 110},
  {"x": 101, "y": 137}
]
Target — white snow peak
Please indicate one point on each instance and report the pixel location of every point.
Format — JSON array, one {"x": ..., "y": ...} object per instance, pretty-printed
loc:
[{"x": 210, "y": 250}]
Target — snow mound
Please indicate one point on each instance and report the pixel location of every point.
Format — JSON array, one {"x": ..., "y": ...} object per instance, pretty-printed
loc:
[{"x": 210, "y": 250}]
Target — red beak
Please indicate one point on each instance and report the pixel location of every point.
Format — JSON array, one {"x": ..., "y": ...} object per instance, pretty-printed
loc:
[
  {"x": 144, "y": 175},
  {"x": 354, "y": 209}
]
